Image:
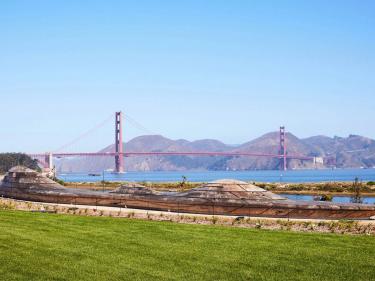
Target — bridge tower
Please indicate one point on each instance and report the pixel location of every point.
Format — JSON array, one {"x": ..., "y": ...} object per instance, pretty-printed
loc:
[
  {"x": 282, "y": 152},
  {"x": 119, "y": 157},
  {"x": 48, "y": 160}
]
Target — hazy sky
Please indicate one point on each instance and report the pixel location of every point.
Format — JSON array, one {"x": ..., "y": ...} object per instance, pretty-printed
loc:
[{"x": 230, "y": 70}]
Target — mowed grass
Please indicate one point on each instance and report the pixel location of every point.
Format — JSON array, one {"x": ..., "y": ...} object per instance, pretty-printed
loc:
[{"x": 35, "y": 246}]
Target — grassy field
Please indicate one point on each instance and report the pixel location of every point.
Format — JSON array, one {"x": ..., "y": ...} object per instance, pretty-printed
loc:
[{"x": 35, "y": 246}]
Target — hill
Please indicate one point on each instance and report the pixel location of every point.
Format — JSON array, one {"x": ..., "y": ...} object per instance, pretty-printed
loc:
[{"x": 351, "y": 152}]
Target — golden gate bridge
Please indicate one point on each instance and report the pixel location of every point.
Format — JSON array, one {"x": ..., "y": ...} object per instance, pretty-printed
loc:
[{"x": 46, "y": 159}]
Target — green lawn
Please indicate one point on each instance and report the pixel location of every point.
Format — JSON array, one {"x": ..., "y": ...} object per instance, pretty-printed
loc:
[{"x": 36, "y": 246}]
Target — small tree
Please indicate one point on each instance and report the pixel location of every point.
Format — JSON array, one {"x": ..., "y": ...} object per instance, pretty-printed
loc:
[
  {"x": 357, "y": 189},
  {"x": 183, "y": 182}
]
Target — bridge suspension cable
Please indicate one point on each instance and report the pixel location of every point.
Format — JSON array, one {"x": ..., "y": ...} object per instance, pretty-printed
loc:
[
  {"x": 138, "y": 125},
  {"x": 128, "y": 118},
  {"x": 119, "y": 153},
  {"x": 85, "y": 134}
]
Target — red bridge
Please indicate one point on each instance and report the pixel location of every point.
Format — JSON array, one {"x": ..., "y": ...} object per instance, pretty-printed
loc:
[{"x": 46, "y": 159}]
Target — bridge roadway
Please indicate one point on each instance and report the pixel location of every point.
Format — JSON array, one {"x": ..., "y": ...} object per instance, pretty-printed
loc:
[{"x": 173, "y": 153}]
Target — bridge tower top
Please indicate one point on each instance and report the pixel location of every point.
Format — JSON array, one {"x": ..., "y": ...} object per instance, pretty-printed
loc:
[{"x": 283, "y": 158}]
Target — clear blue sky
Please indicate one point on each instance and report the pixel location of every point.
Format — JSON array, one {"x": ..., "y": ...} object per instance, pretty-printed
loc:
[{"x": 230, "y": 70}]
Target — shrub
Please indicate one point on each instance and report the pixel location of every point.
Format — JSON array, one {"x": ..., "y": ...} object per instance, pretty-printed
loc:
[
  {"x": 298, "y": 187},
  {"x": 58, "y": 180},
  {"x": 214, "y": 220},
  {"x": 325, "y": 187},
  {"x": 6, "y": 206},
  {"x": 261, "y": 185},
  {"x": 326, "y": 197}
]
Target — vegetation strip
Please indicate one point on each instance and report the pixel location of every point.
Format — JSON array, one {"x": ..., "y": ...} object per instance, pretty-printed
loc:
[
  {"x": 323, "y": 226},
  {"x": 344, "y": 188}
]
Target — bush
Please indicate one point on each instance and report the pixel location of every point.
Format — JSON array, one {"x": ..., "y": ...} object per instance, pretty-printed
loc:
[
  {"x": 7, "y": 206},
  {"x": 214, "y": 220},
  {"x": 57, "y": 180},
  {"x": 261, "y": 185},
  {"x": 326, "y": 197},
  {"x": 332, "y": 187},
  {"x": 297, "y": 187}
]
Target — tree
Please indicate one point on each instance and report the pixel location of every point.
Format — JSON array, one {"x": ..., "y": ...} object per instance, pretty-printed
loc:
[
  {"x": 9, "y": 160},
  {"x": 357, "y": 189},
  {"x": 183, "y": 182}
]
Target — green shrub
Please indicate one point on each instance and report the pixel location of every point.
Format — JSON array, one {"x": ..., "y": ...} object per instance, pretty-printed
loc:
[
  {"x": 7, "y": 206},
  {"x": 59, "y": 181},
  {"x": 261, "y": 185},
  {"x": 326, "y": 197},
  {"x": 298, "y": 187},
  {"x": 214, "y": 220}
]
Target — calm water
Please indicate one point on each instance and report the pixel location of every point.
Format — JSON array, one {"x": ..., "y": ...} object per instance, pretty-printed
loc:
[
  {"x": 258, "y": 176},
  {"x": 337, "y": 199}
]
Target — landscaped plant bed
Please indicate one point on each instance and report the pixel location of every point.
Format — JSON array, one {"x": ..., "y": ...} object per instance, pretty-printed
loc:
[{"x": 323, "y": 226}]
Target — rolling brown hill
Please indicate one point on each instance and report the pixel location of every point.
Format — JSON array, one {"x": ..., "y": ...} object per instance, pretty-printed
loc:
[{"x": 353, "y": 151}]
